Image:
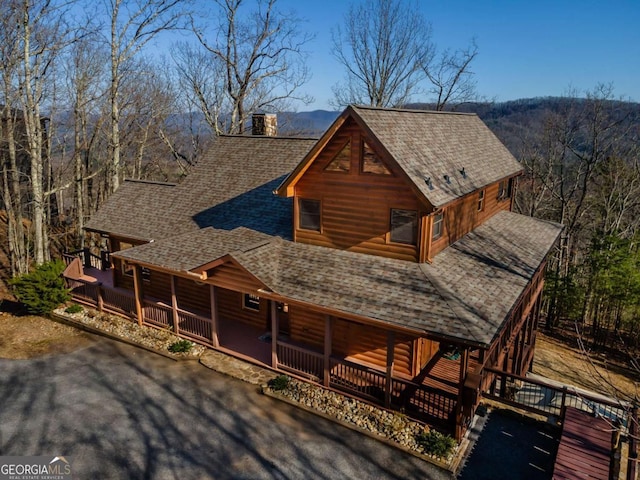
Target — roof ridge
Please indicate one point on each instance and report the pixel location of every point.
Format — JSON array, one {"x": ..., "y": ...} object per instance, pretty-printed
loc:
[
  {"x": 411, "y": 110},
  {"x": 150, "y": 182},
  {"x": 262, "y": 137}
]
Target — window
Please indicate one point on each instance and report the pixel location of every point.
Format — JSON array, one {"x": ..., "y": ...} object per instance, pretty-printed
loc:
[
  {"x": 251, "y": 302},
  {"x": 371, "y": 163},
  {"x": 342, "y": 161},
  {"x": 127, "y": 269},
  {"x": 481, "y": 200},
  {"x": 309, "y": 214},
  {"x": 437, "y": 226},
  {"x": 504, "y": 189},
  {"x": 404, "y": 226}
]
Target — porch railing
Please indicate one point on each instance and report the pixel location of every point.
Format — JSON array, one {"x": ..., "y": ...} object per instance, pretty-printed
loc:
[
  {"x": 195, "y": 326},
  {"x": 300, "y": 360},
  {"x": 546, "y": 398},
  {"x": 89, "y": 259},
  {"x": 418, "y": 400},
  {"x": 157, "y": 315}
]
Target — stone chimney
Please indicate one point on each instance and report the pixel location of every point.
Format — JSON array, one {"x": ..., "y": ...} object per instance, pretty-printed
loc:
[{"x": 264, "y": 124}]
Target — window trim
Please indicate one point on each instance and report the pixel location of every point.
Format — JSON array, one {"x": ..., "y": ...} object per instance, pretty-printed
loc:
[
  {"x": 406, "y": 211},
  {"x": 249, "y": 302},
  {"x": 481, "y": 199},
  {"x": 505, "y": 189},
  {"x": 388, "y": 173},
  {"x": 346, "y": 144},
  {"x": 437, "y": 219},
  {"x": 299, "y": 215}
]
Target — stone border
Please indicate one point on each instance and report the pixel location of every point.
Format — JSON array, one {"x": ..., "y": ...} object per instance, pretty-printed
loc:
[
  {"x": 450, "y": 467},
  {"x": 87, "y": 328}
]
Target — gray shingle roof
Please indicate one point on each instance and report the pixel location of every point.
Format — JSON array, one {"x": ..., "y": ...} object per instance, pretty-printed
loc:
[
  {"x": 466, "y": 294},
  {"x": 136, "y": 210},
  {"x": 434, "y": 144},
  {"x": 231, "y": 186},
  {"x": 192, "y": 250}
]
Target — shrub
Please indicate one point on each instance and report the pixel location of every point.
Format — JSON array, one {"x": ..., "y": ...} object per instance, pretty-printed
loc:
[
  {"x": 42, "y": 290},
  {"x": 436, "y": 443},
  {"x": 74, "y": 308},
  {"x": 279, "y": 383},
  {"x": 181, "y": 346}
]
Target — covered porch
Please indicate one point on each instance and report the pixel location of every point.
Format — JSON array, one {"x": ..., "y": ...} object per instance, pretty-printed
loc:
[{"x": 432, "y": 396}]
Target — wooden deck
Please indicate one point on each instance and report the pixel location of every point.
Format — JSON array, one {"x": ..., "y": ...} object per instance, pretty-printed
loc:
[{"x": 585, "y": 447}]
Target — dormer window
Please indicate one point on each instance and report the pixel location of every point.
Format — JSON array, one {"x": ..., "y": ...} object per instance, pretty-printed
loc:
[
  {"x": 404, "y": 226},
  {"x": 371, "y": 163},
  {"x": 342, "y": 161},
  {"x": 309, "y": 214},
  {"x": 481, "y": 200}
]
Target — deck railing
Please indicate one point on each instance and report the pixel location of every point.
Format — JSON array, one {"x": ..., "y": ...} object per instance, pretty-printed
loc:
[
  {"x": 195, "y": 327},
  {"x": 157, "y": 315},
  {"x": 300, "y": 360},
  {"x": 89, "y": 259},
  {"x": 118, "y": 301},
  {"x": 358, "y": 379},
  {"x": 546, "y": 398},
  {"x": 427, "y": 403}
]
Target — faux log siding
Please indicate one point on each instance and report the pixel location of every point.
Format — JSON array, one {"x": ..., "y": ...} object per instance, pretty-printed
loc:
[
  {"x": 193, "y": 297},
  {"x": 158, "y": 286},
  {"x": 463, "y": 216},
  {"x": 425, "y": 350},
  {"x": 230, "y": 309},
  {"x": 306, "y": 327},
  {"x": 231, "y": 276},
  {"x": 355, "y": 207}
]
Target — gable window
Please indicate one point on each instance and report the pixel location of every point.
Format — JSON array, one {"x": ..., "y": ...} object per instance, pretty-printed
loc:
[
  {"x": 504, "y": 189},
  {"x": 309, "y": 214},
  {"x": 437, "y": 226},
  {"x": 404, "y": 226},
  {"x": 481, "y": 200},
  {"x": 251, "y": 302},
  {"x": 342, "y": 161},
  {"x": 371, "y": 163}
]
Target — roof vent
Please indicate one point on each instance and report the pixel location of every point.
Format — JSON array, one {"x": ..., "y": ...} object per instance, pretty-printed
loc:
[
  {"x": 447, "y": 179},
  {"x": 427, "y": 180},
  {"x": 463, "y": 173}
]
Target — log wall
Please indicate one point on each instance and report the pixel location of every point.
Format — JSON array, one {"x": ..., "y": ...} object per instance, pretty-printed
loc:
[
  {"x": 355, "y": 206},
  {"x": 230, "y": 309},
  {"x": 463, "y": 216}
]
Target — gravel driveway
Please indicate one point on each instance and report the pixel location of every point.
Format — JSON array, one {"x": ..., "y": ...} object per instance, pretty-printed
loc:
[{"x": 120, "y": 412}]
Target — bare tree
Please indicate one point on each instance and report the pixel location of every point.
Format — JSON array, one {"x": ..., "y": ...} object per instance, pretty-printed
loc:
[
  {"x": 132, "y": 25},
  {"x": 260, "y": 55},
  {"x": 451, "y": 77},
  {"x": 383, "y": 47}
]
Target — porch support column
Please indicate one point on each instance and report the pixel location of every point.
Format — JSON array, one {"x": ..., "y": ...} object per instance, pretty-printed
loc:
[
  {"x": 391, "y": 341},
  {"x": 328, "y": 347},
  {"x": 174, "y": 306},
  {"x": 137, "y": 290},
  {"x": 214, "y": 317},
  {"x": 274, "y": 334},
  {"x": 459, "y": 415}
]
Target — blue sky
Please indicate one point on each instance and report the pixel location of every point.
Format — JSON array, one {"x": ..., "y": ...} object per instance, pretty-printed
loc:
[{"x": 527, "y": 48}]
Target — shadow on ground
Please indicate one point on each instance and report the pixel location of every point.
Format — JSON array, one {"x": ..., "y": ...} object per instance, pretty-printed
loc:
[{"x": 508, "y": 445}]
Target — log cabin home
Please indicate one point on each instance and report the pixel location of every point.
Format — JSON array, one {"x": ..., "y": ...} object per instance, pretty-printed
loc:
[{"x": 382, "y": 260}]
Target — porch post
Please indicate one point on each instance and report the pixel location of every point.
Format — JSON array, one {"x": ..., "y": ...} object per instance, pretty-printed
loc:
[
  {"x": 391, "y": 340},
  {"x": 174, "y": 306},
  {"x": 328, "y": 347},
  {"x": 214, "y": 316},
  {"x": 274, "y": 334},
  {"x": 137, "y": 290},
  {"x": 459, "y": 415}
]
